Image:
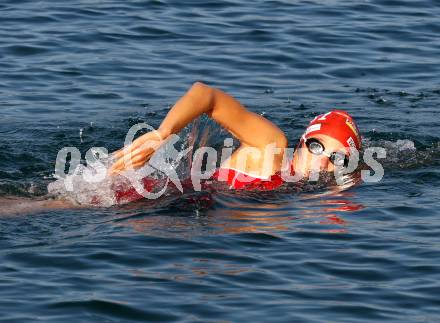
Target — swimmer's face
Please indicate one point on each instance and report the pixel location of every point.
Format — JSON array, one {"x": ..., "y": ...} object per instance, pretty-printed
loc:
[{"x": 305, "y": 162}]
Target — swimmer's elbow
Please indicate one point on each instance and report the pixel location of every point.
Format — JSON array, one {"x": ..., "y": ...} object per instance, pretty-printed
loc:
[
  {"x": 203, "y": 94},
  {"x": 201, "y": 88},
  {"x": 199, "y": 85}
]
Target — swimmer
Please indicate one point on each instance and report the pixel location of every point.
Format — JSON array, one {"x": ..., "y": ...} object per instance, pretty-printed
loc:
[{"x": 326, "y": 144}]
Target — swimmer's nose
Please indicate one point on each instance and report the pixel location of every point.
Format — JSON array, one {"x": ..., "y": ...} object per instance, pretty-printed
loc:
[
  {"x": 309, "y": 163},
  {"x": 318, "y": 163}
]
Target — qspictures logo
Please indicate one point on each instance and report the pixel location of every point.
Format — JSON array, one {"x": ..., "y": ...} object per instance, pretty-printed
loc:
[{"x": 204, "y": 163}]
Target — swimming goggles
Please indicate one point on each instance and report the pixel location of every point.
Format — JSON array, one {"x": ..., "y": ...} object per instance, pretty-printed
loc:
[{"x": 317, "y": 148}]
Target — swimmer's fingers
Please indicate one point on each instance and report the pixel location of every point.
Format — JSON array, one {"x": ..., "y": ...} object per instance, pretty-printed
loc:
[
  {"x": 139, "y": 152},
  {"x": 118, "y": 153},
  {"x": 122, "y": 165},
  {"x": 131, "y": 159},
  {"x": 143, "y": 141},
  {"x": 134, "y": 166},
  {"x": 128, "y": 149},
  {"x": 117, "y": 167},
  {"x": 138, "y": 165}
]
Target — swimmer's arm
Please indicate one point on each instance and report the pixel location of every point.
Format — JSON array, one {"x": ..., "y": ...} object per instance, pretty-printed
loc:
[{"x": 250, "y": 128}]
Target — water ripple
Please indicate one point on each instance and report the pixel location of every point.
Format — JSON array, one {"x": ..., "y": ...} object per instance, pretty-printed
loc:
[{"x": 81, "y": 74}]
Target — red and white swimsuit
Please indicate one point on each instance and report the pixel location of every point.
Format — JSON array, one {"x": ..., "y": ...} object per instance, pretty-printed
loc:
[
  {"x": 240, "y": 180},
  {"x": 234, "y": 178}
]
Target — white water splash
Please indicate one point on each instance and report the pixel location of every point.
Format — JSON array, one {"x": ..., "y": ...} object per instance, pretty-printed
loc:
[
  {"x": 403, "y": 153},
  {"x": 84, "y": 186},
  {"x": 80, "y": 186}
]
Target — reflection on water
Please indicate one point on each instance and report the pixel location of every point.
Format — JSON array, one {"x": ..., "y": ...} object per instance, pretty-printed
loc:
[
  {"x": 224, "y": 213},
  {"x": 332, "y": 211}
]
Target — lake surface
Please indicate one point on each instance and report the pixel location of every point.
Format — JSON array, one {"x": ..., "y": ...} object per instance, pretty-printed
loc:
[{"x": 80, "y": 73}]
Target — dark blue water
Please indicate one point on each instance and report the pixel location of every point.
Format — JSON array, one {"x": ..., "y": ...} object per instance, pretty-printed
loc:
[{"x": 370, "y": 253}]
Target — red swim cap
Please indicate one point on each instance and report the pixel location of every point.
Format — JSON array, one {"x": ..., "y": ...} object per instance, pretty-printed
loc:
[{"x": 337, "y": 124}]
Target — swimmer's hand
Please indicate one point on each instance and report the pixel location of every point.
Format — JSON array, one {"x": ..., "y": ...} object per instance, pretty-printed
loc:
[{"x": 138, "y": 153}]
